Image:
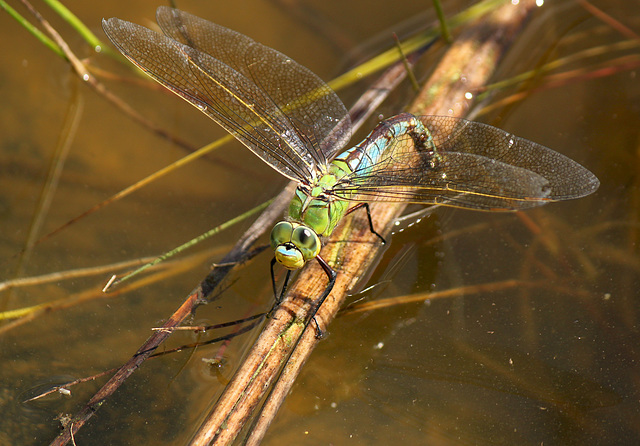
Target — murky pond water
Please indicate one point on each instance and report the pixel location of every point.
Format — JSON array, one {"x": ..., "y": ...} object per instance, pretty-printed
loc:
[{"x": 522, "y": 327}]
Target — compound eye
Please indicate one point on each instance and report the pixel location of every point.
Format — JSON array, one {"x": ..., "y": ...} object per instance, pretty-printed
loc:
[
  {"x": 304, "y": 238},
  {"x": 281, "y": 233},
  {"x": 306, "y": 241}
]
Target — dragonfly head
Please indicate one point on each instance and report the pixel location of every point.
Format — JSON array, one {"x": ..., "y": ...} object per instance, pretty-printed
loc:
[{"x": 294, "y": 244}]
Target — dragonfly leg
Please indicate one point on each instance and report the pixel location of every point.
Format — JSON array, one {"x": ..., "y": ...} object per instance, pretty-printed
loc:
[
  {"x": 278, "y": 297},
  {"x": 366, "y": 206},
  {"x": 332, "y": 281},
  {"x": 273, "y": 279}
]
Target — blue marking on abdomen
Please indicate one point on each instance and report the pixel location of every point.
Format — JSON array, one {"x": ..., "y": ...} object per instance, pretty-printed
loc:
[{"x": 371, "y": 149}]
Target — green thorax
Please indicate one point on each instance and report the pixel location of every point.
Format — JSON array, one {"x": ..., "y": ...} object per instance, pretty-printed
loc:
[{"x": 316, "y": 208}]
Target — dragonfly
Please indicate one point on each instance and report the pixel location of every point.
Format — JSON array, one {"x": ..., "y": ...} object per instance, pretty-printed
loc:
[{"x": 293, "y": 121}]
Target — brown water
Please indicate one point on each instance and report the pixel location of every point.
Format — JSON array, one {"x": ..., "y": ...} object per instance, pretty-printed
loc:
[{"x": 544, "y": 354}]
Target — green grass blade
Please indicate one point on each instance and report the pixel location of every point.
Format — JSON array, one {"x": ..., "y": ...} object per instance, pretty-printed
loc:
[
  {"x": 191, "y": 243},
  {"x": 32, "y": 29}
]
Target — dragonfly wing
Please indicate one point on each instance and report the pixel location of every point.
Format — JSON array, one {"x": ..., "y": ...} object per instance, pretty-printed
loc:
[
  {"x": 455, "y": 179},
  {"x": 567, "y": 179},
  {"x": 475, "y": 166},
  {"x": 308, "y": 102},
  {"x": 219, "y": 91}
]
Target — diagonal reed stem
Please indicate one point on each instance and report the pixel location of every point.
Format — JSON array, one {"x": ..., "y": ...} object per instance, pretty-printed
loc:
[{"x": 286, "y": 342}]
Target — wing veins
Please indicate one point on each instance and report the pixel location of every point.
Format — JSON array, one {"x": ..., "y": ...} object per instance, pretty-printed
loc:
[
  {"x": 244, "y": 129},
  {"x": 192, "y": 85}
]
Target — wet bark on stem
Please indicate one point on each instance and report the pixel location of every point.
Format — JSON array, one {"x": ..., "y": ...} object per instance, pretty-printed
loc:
[{"x": 468, "y": 64}]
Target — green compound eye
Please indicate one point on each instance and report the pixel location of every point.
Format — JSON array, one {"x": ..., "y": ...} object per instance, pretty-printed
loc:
[
  {"x": 294, "y": 244},
  {"x": 306, "y": 241},
  {"x": 281, "y": 233}
]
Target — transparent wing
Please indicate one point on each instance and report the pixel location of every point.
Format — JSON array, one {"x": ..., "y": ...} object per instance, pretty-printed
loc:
[
  {"x": 475, "y": 166},
  {"x": 228, "y": 96},
  {"x": 307, "y": 100}
]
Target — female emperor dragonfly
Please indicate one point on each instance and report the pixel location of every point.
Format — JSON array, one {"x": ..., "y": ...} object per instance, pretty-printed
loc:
[{"x": 294, "y": 122}]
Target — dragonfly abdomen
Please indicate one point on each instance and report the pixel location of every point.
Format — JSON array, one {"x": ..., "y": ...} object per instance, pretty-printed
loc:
[{"x": 371, "y": 150}]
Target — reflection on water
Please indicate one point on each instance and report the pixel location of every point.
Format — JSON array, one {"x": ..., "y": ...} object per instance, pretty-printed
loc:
[{"x": 527, "y": 335}]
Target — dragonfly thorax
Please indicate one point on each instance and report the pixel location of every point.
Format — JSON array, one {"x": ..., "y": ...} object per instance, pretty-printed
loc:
[
  {"x": 294, "y": 244},
  {"x": 316, "y": 207},
  {"x": 313, "y": 213}
]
